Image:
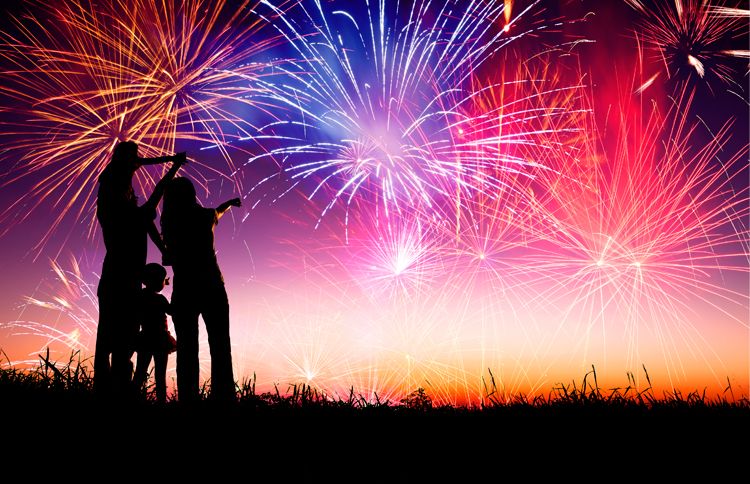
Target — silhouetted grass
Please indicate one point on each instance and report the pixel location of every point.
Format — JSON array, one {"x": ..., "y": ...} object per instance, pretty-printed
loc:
[
  {"x": 71, "y": 381},
  {"x": 53, "y": 410},
  {"x": 579, "y": 421}
]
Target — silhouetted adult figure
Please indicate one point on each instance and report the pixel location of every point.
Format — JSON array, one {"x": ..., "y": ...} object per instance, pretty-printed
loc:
[
  {"x": 198, "y": 289},
  {"x": 125, "y": 226}
]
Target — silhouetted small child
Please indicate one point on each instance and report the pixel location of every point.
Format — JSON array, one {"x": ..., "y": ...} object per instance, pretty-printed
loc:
[{"x": 154, "y": 340}]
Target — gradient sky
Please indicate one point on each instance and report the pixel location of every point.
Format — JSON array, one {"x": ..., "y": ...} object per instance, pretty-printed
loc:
[{"x": 308, "y": 305}]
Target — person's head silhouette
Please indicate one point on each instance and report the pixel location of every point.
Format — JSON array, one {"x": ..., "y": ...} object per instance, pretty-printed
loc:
[
  {"x": 180, "y": 193},
  {"x": 117, "y": 177},
  {"x": 126, "y": 153},
  {"x": 155, "y": 277}
]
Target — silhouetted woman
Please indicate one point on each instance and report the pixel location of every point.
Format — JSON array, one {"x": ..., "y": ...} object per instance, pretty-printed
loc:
[
  {"x": 125, "y": 226},
  {"x": 198, "y": 289}
]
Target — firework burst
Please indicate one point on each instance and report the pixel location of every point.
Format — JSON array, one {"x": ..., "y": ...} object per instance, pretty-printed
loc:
[
  {"x": 380, "y": 98},
  {"x": 396, "y": 261},
  {"x": 64, "y": 312},
  {"x": 645, "y": 230},
  {"x": 695, "y": 38},
  {"x": 79, "y": 78}
]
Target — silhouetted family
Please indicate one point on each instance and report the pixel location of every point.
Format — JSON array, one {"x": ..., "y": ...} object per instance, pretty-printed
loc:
[{"x": 132, "y": 312}]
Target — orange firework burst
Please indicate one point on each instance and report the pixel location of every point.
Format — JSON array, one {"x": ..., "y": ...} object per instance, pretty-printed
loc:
[{"x": 78, "y": 79}]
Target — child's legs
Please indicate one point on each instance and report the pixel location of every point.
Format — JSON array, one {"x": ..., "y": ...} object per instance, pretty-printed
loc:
[
  {"x": 141, "y": 369},
  {"x": 160, "y": 374}
]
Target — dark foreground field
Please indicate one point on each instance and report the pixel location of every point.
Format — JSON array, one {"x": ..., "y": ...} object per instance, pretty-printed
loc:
[{"x": 53, "y": 407}]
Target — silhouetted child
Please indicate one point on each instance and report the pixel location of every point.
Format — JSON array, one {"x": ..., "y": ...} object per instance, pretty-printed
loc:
[{"x": 154, "y": 340}]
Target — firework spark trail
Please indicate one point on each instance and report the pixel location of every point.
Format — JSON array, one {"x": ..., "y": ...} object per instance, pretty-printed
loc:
[
  {"x": 488, "y": 278},
  {"x": 489, "y": 284},
  {"x": 385, "y": 333},
  {"x": 693, "y": 37},
  {"x": 78, "y": 79},
  {"x": 648, "y": 233},
  {"x": 308, "y": 346},
  {"x": 74, "y": 307},
  {"x": 395, "y": 261},
  {"x": 421, "y": 329},
  {"x": 379, "y": 99}
]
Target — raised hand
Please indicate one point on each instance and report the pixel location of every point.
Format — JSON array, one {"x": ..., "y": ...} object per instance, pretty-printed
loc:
[
  {"x": 180, "y": 158},
  {"x": 235, "y": 202}
]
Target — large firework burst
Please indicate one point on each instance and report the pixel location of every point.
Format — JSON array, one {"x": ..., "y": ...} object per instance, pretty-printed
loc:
[
  {"x": 645, "y": 231},
  {"x": 380, "y": 100},
  {"x": 77, "y": 78}
]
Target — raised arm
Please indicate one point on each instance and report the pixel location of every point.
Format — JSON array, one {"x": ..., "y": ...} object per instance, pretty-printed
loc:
[
  {"x": 158, "y": 192},
  {"x": 155, "y": 236},
  {"x": 235, "y": 202},
  {"x": 162, "y": 159}
]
